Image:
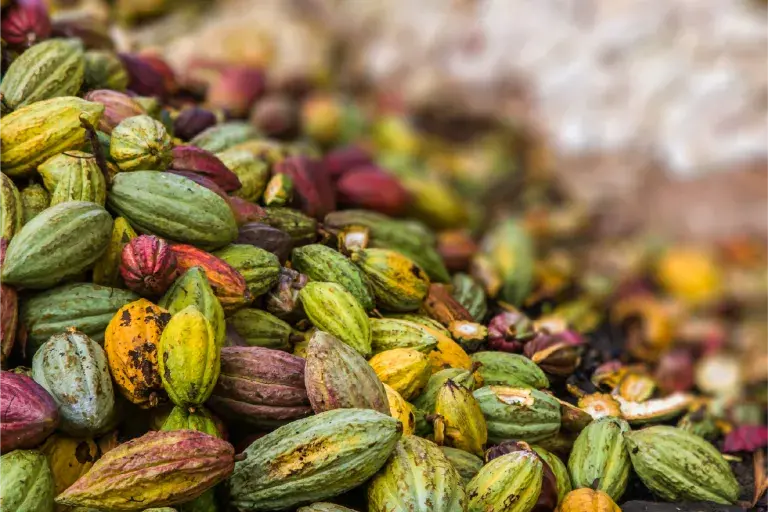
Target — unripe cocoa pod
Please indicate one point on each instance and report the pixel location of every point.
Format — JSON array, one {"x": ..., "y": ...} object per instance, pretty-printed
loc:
[
  {"x": 405, "y": 369},
  {"x": 510, "y": 253},
  {"x": 466, "y": 464},
  {"x": 301, "y": 228},
  {"x": 600, "y": 454},
  {"x": 324, "y": 507},
  {"x": 471, "y": 295},
  {"x": 193, "y": 289},
  {"x": 397, "y": 282},
  {"x": 74, "y": 176},
  {"x": 518, "y": 413},
  {"x": 259, "y": 268},
  {"x": 427, "y": 399},
  {"x": 461, "y": 422},
  {"x": 28, "y": 413},
  {"x": 499, "y": 368},
  {"x": 389, "y": 333},
  {"x": 117, "y": 108},
  {"x": 104, "y": 70},
  {"x": 252, "y": 172},
  {"x": 141, "y": 143},
  {"x": 512, "y": 482},
  {"x": 11, "y": 212},
  {"x": 27, "y": 482},
  {"x": 223, "y": 136},
  {"x": 34, "y": 199},
  {"x": 257, "y": 328},
  {"x": 200, "y": 420}
]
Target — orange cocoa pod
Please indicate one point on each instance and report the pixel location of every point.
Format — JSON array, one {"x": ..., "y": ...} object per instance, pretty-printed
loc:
[{"x": 587, "y": 500}]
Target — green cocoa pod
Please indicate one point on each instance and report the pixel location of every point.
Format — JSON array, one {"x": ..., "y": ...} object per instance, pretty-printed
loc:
[
  {"x": 679, "y": 466},
  {"x": 321, "y": 263},
  {"x": 73, "y": 369},
  {"x": 11, "y": 209},
  {"x": 193, "y": 289},
  {"x": 104, "y": 70},
  {"x": 504, "y": 369},
  {"x": 252, "y": 172},
  {"x": 58, "y": 244},
  {"x": 600, "y": 453},
  {"x": 223, "y": 136},
  {"x": 511, "y": 483},
  {"x": 301, "y": 228},
  {"x": 334, "y": 310},
  {"x": 313, "y": 459},
  {"x": 418, "y": 477},
  {"x": 78, "y": 178},
  {"x": 558, "y": 469},
  {"x": 259, "y": 328},
  {"x": 34, "y": 199},
  {"x": 201, "y": 420},
  {"x": 206, "y": 502},
  {"x": 466, "y": 464},
  {"x": 173, "y": 207},
  {"x": 470, "y": 294},
  {"x": 428, "y": 398},
  {"x": 389, "y": 333},
  {"x": 324, "y": 507},
  {"x": 422, "y": 320},
  {"x": 397, "y": 282},
  {"x": 27, "y": 482},
  {"x": 509, "y": 250},
  {"x": 259, "y": 268},
  {"x": 518, "y": 413},
  {"x": 701, "y": 423},
  {"x": 141, "y": 143},
  {"x": 49, "y": 69}
]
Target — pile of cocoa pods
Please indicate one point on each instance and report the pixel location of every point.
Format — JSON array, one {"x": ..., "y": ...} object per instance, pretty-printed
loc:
[{"x": 224, "y": 294}]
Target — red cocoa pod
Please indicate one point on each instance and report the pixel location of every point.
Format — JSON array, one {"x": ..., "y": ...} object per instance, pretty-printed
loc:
[
  {"x": 143, "y": 78},
  {"x": 163, "y": 69},
  {"x": 228, "y": 284},
  {"x": 25, "y": 22},
  {"x": 508, "y": 331},
  {"x": 276, "y": 116},
  {"x": 117, "y": 106},
  {"x": 202, "y": 181},
  {"x": 192, "y": 121},
  {"x": 148, "y": 265},
  {"x": 342, "y": 160},
  {"x": 28, "y": 413},
  {"x": 457, "y": 248},
  {"x": 370, "y": 188},
  {"x": 246, "y": 211},
  {"x": 554, "y": 353},
  {"x": 236, "y": 90},
  {"x": 205, "y": 163},
  {"x": 312, "y": 188},
  {"x": 9, "y": 319},
  {"x": 261, "y": 386},
  {"x": 675, "y": 371}
]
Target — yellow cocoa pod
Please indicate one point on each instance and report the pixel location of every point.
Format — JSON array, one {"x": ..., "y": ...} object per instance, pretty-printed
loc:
[
  {"x": 69, "y": 458},
  {"x": 587, "y": 500},
  {"x": 448, "y": 354},
  {"x": 397, "y": 282},
  {"x": 401, "y": 410},
  {"x": 404, "y": 369},
  {"x": 189, "y": 358},
  {"x": 461, "y": 421},
  {"x": 690, "y": 275},
  {"x": 131, "y": 342},
  {"x": 106, "y": 272}
]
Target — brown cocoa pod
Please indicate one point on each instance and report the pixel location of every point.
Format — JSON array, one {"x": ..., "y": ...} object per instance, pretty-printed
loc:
[
  {"x": 440, "y": 305},
  {"x": 266, "y": 237},
  {"x": 192, "y": 121},
  {"x": 457, "y": 248},
  {"x": 276, "y": 116}
]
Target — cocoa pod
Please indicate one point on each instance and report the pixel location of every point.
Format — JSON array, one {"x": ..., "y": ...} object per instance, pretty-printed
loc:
[
  {"x": 466, "y": 464},
  {"x": 461, "y": 421},
  {"x": 402, "y": 410},
  {"x": 148, "y": 266},
  {"x": 397, "y": 282},
  {"x": 9, "y": 320},
  {"x": 25, "y": 23},
  {"x": 141, "y": 143},
  {"x": 27, "y": 482},
  {"x": 256, "y": 328},
  {"x": 588, "y": 500},
  {"x": 69, "y": 458},
  {"x": 373, "y": 189},
  {"x": 11, "y": 209},
  {"x": 405, "y": 369},
  {"x": 312, "y": 187},
  {"x": 251, "y": 172},
  {"x": 117, "y": 108},
  {"x": 104, "y": 70},
  {"x": 600, "y": 454},
  {"x": 192, "y": 121},
  {"x": 223, "y": 136},
  {"x": 203, "y": 182},
  {"x": 193, "y": 288},
  {"x": 339, "y": 161},
  {"x": 518, "y": 413},
  {"x": 205, "y": 163},
  {"x": 516, "y": 477},
  {"x": 259, "y": 268},
  {"x": 498, "y": 368},
  {"x": 34, "y": 199},
  {"x": 236, "y": 89},
  {"x": 74, "y": 176},
  {"x": 28, "y": 413},
  {"x": 266, "y": 237},
  {"x": 106, "y": 271},
  {"x": 143, "y": 78},
  {"x": 276, "y": 116},
  {"x": 471, "y": 295}
]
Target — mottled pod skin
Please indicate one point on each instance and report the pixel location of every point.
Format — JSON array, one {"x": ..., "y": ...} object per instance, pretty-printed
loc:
[
  {"x": 69, "y": 458},
  {"x": 461, "y": 418},
  {"x": 338, "y": 377},
  {"x": 166, "y": 468},
  {"x": 418, "y": 477},
  {"x": 141, "y": 143},
  {"x": 76, "y": 177},
  {"x": 398, "y": 283},
  {"x": 588, "y": 500},
  {"x": 511, "y": 483},
  {"x": 518, "y": 413},
  {"x": 559, "y": 470},
  {"x": 600, "y": 453},
  {"x": 466, "y": 464},
  {"x": 11, "y": 209},
  {"x": 471, "y": 295},
  {"x": 401, "y": 410},
  {"x": 193, "y": 288},
  {"x": 189, "y": 358},
  {"x": 389, "y": 333},
  {"x": 503, "y": 369},
  {"x": 28, "y": 413},
  {"x": 27, "y": 482},
  {"x": 447, "y": 353},
  {"x": 259, "y": 268},
  {"x": 131, "y": 342},
  {"x": 257, "y": 328},
  {"x": 427, "y": 399},
  {"x": 405, "y": 369}
]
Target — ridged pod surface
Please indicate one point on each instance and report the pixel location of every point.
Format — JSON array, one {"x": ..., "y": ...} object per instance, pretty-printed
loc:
[
  {"x": 69, "y": 458},
  {"x": 588, "y": 500},
  {"x": 428, "y": 397},
  {"x": 73, "y": 369},
  {"x": 313, "y": 459},
  {"x": 200, "y": 420},
  {"x": 172, "y": 207},
  {"x": 511, "y": 483},
  {"x": 106, "y": 271},
  {"x": 600, "y": 453},
  {"x": 27, "y": 482},
  {"x": 461, "y": 418},
  {"x": 60, "y": 243},
  {"x": 503, "y": 369},
  {"x": 148, "y": 265},
  {"x": 34, "y": 199},
  {"x": 337, "y": 377},
  {"x": 251, "y": 171},
  {"x": 401, "y": 410},
  {"x": 405, "y": 369},
  {"x": 332, "y": 309},
  {"x": 321, "y": 263},
  {"x": 397, "y": 282},
  {"x": 418, "y": 477},
  {"x": 518, "y": 413},
  {"x": 679, "y": 466},
  {"x": 257, "y": 328},
  {"x": 222, "y": 136},
  {"x": 33, "y": 134},
  {"x": 447, "y": 353},
  {"x": 11, "y": 212},
  {"x": 141, "y": 143},
  {"x": 193, "y": 289},
  {"x": 389, "y": 333},
  {"x": 189, "y": 358},
  {"x": 559, "y": 470},
  {"x": 259, "y": 268},
  {"x": 46, "y": 70},
  {"x": 131, "y": 342},
  {"x": 466, "y": 464},
  {"x": 28, "y": 413},
  {"x": 471, "y": 295},
  {"x": 117, "y": 108},
  {"x": 165, "y": 467},
  {"x": 510, "y": 251},
  {"x": 74, "y": 176},
  {"x": 301, "y": 228}
]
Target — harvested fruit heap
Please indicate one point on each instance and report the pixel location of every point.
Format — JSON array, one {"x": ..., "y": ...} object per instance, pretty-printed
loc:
[{"x": 190, "y": 318}]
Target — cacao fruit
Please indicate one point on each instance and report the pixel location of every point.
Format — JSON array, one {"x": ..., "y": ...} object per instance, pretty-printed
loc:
[
  {"x": 471, "y": 295},
  {"x": 11, "y": 209},
  {"x": 148, "y": 266},
  {"x": 510, "y": 253},
  {"x": 117, "y": 108},
  {"x": 512, "y": 482},
  {"x": 192, "y": 121},
  {"x": 397, "y": 282},
  {"x": 461, "y": 422},
  {"x": 223, "y": 136},
  {"x": 141, "y": 143},
  {"x": 34, "y": 199},
  {"x": 74, "y": 176},
  {"x": 559, "y": 470},
  {"x": 279, "y": 191},
  {"x": 28, "y": 412},
  {"x": 256, "y": 328},
  {"x": 25, "y": 23},
  {"x": 104, "y": 70},
  {"x": 518, "y": 413},
  {"x": 466, "y": 464},
  {"x": 405, "y": 369},
  {"x": 427, "y": 399},
  {"x": 600, "y": 454},
  {"x": 389, "y": 333},
  {"x": 312, "y": 186},
  {"x": 204, "y": 163},
  {"x": 401, "y": 410},
  {"x": 193, "y": 289},
  {"x": 301, "y": 228},
  {"x": 69, "y": 459},
  {"x": 588, "y": 500},
  {"x": 200, "y": 420},
  {"x": 27, "y": 482},
  {"x": 259, "y": 268},
  {"x": 502, "y": 369},
  {"x": 106, "y": 271},
  {"x": 447, "y": 353},
  {"x": 251, "y": 173},
  {"x": 264, "y": 236},
  {"x": 324, "y": 507},
  {"x": 9, "y": 316}
]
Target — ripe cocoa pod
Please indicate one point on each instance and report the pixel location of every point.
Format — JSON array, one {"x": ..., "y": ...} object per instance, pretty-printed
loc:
[
  {"x": 25, "y": 23},
  {"x": 73, "y": 369},
  {"x": 461, "y": 423},
  {"x": 200, "y": 420},
  {"x": 397, "y": 282},
  {"x": 69, "y": 458},
  {"x": 447, "y": 353},
  {"x": 389, "y": 333},
  {"x": 499, "y": 368},
  {"x": 11, "y": 209},
  {"x": 324, "y": 507},
  {"x": 518, "y": 413},
  {"x": 141, "y": 143},
  {"x": 75, "y": 176},
  {"x": 166, "y": 468},
  {"x": 260, "y": 386},
  {"x": 236, "y": 89},
  {"x": 188, "y": 358},
  {"x": 143, "y": 77},
  {"x": 131, "y": 342},
  {"x": 259, "y": 268},
  {"x": 256, "y": 328},
  {"x": 192, "y": 121},
  {"x": 106, "y": 271},
  {"x": 471, "y": 295},
  {"x": 466, "y": 464},
  {"x": 401, "y": 410},
  {"x": 679, "y": 466},
  {"x": 311, "y": 185},
  {"x": 79, "y": 230},
  {"x": 34, "y": 199},
  {"x": 148, "y": 266},
  {"x": 33, "y": 134},
  {"x": 9, "y": 319},
  {"x": 27, "y": 482},
  {"x": 339, "y": 161},
  {"x": 334, "y": 310},
  {"x": 432, "y": 482},
  {"x": 427, "y": 399},
  {"x": 279, "y": 191},
  {"x": 252, "y": 173},
  {"x": 277, "y": 474},
  {"x": 600, "y": 454},
  {"x": 49, "y": 69},
  {"x": 28, "y": 412},
  {"x": 559, "y": 471},
  {"x": 337, "y": 377},
  {"x": 193, "y": 289},
  {"x": 117, "y": 108},
  {"x": 588, "y": 500},
  {"x": 264, "y": 236},
  {"x": 512, "y": 482},
  {"x": 509, "y": 250},
  {"x": 405, "y": 369},
  {"x": 373, "y": 189},
  {"x": 202, "y": 162},
  {"x": 223, "y": 136},
  {"x": 301, "y": 228},
  {"x": 104, "y": 70}
]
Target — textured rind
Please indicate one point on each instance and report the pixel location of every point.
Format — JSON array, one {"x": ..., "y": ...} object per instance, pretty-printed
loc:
[
  {"x": 38, "y": 131},
  {"x": 204, "y": 163},
  {"x": 73, "y": 369},
  {"x": 418, "y": 477},
  {"x": 401, "y": 410},
  {"x": 28, "y": 413},
  {"x": 60, "y": 243},
  {"x": 69, "y": 458},
  {"x": 463, "y": 420},
  {"x": 581, "y": 500},
  {"x": 252, "y": 172},
  {"x": 679, "y": 466},
  {"x": 471, "y": 295},
  {"x": 301, "y": 228},
  {"x": 313, "y": 459},
  {"x": 106, "y": 271},
  {"x": 466, "y": 464},
  {"x": 34, "y": 199},
  {"x": 156, "y": 469},
  {"x": 510, "y": 250},
  {"x": 428, "y": 397},
  {"x": 27, "y": 482},
  {"x": 131, "y": 341},
  {"x": 141, "y": 143},
  {"x": 559, "y": 469},
  {"x": 447, "y": 353},
  {"x": 9, "y": 321},
  {"x": 518, "y": 413},
  {"x": 405, "y": 369},
  {"x": 80, "y": 180},
  {"x": 600, "y": 453},
  {"x": 193, "y": 288},
  {"x": 259, "y": 268},
  {"x": 222, "y": 136},
  {"x": 389, "y": 333},
  {"x": 336, "y": 377},
  {"x": 188, "y": 358},
  {"x": 173, "y": 207},
  {"x": 503, "y": 369},
  {"x": 260, "y": 386},
  {"x": 324, "y": 507},
  {"x": 117, "y": 108},
  {"x": 321, "y": 263},
  {"x": 200, "y": 420},
  {"x": 11, "y": 215},
  {"x": 46, "y": 70},
  {"x": 397, "y": 282},
  {"x": 86, "y": 307},
  {"x": 511, "y": 483},
  {"x": 257, "y": 328},
  {"x": 148, "y": 266},
  {"x": 334, "y": 310}
]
